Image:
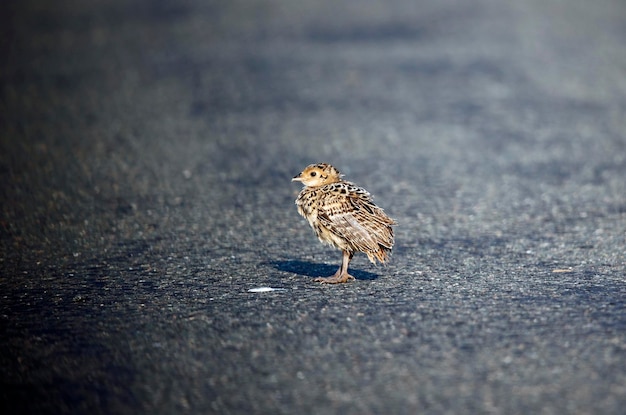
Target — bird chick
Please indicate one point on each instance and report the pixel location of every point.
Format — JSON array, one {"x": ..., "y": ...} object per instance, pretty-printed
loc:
[{"x": 343, "y": 215}]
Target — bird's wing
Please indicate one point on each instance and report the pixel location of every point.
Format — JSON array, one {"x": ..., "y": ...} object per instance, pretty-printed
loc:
[{"x": 353, "y": 216}]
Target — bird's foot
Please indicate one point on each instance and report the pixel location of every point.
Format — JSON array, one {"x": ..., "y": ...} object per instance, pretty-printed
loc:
[{"x": 335, "y": 279}]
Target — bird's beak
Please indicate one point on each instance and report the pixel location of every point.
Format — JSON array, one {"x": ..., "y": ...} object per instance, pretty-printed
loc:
[{"x": 297, "y": 178}]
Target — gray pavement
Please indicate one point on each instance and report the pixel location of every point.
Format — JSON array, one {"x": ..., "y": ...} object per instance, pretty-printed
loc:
[{"x": 146, "y": 151}]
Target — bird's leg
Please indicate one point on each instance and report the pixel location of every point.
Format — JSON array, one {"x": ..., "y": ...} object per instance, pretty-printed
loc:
[{"x": 342, "y": 273}]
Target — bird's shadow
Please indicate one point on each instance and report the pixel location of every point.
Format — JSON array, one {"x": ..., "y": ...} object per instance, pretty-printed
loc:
[{"x": 311, "y": 269}]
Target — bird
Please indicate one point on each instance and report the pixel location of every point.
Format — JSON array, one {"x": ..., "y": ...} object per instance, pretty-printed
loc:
[{"x": 343, "y": 215}]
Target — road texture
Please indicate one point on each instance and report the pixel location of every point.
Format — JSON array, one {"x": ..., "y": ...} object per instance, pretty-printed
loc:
[{"x": 146, "y": 152}]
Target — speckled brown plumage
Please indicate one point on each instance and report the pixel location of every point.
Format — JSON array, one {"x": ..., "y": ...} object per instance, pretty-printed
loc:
[{"x": 343, "y": 215}]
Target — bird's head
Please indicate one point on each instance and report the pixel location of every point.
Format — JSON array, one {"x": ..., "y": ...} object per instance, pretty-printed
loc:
[{"x": 319, "y": 174}]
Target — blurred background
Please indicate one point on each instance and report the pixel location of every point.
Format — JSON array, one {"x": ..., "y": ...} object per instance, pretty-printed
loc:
[{"x": 146, "y": 152}]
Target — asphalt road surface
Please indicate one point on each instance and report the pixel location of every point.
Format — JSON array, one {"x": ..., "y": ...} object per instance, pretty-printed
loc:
[{"x": 146, "y": 152}]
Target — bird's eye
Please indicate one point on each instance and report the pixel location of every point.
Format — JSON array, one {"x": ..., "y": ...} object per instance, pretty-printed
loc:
[{"x": 313, "y": 174}]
